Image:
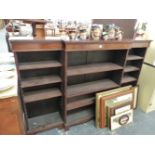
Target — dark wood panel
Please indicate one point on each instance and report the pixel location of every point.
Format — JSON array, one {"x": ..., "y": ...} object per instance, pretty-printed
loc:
[
  {"x": 44, "y": 122},
  {"x": 128, "y": 78},
  {"x": 36, "y": 45},
  {"x": 47, "y": 45},
  {"x": 92, "y": 68},
  {"x": 39, "y": 65},
  {"x": 90, "y": 87},
  {"x": 137, "y": 51},
  {"x": 130, "y": 68},
  {"x": 134, "y": 57},
  {"x": 141, "y": 44},
  {"x": 80, "y": 103},
  {"x": 39, "y": 95},
  {"x": 43, "y": 107},
  {"x": 76, "y": 58},
  {"x": 38, "y": 56},
  {"x": 81, "y": 116},
  {"x": 96, "y": 46},
  {"x": 79, "y": 79},
  {"x": 41, "y": 80}
]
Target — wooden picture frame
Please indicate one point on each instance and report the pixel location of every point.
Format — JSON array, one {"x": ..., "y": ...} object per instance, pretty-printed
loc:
[
  {"x": 136, "y": 90},
  {"x": 106, "y": 112},
  {"x": 103, "y": 94}
]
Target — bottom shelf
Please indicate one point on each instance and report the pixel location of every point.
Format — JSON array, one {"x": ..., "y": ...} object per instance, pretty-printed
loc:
[
  {"x": 80, "y": 116},
  {"x": 44, "y": 122},
  {"x": 127, "y": 79}
]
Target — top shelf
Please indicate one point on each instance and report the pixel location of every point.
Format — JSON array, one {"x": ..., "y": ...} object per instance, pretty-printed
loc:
[{"x": 36, "y": 45}]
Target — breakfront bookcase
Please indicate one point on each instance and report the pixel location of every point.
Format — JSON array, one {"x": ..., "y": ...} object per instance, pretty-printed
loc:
[{"x": 58, "y": 80}]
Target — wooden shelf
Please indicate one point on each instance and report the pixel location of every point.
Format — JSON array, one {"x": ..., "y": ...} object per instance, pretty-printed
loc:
[
  {"x": 134, "y": 57},
  {"x": 80, "y": 103},
  {"x": 39, "y": 95},
  {"x": 92, "y": 68},
  {"x": 128, "y": 78},
  {"x": 130, "y": 68},
  {"x": 39, "y": 65},
  {"x": 79, "y": 117},
  {"x": 90, "y": 87},
  {"x": 44, "y": 122},
  {"x": 41, "y": 80}
]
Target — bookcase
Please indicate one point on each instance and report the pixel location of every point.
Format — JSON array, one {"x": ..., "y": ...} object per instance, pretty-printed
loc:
[
  {"x": 40, "y": 70},
  {"x": 58, "y": 80}
]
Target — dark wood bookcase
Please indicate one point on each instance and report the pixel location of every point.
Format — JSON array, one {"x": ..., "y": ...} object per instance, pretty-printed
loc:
[
  {"x": 58, "y": 80},
  {"x": 40, "y": 72}
]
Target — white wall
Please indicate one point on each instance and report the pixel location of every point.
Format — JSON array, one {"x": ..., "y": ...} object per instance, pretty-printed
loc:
[{"x": 150, "y": 56}]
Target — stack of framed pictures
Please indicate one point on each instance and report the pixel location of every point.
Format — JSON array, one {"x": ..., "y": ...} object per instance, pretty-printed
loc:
[{"x": 114, "y": 108}]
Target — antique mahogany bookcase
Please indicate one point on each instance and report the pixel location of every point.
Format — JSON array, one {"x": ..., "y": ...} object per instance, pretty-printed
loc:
[{"x": 58, "y": 80}]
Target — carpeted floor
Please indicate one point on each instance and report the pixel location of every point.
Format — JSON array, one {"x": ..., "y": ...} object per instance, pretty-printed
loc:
[{"x": 143, "y": 124}]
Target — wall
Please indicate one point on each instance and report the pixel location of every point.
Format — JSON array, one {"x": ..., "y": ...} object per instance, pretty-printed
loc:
[
  {"x": 150, "y": 56},
  {"x": 146, "y": 98}
]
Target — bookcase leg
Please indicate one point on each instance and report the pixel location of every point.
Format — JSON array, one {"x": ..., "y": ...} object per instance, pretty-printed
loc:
[{"x": 66, "y": 128}]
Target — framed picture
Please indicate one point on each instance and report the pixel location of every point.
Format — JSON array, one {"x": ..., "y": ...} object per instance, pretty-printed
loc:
[
  {"x": 136, "y": 88},
  {"x": 103, "y": 94},
  {"x": 122, "y": 119},
  {"x": 111, "y": 105}
]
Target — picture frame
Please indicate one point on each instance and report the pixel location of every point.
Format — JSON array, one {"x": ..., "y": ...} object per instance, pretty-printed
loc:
[
  {"x": 108, "y": 105},
  {"x": 136, "y": 90},
  {"x": 120, "y": 120},
  {"x": 106, "y": 93}
]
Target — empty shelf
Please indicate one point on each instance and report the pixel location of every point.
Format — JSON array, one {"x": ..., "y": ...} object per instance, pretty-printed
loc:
[
  {"x": 40, "y": 80},
  {"x": 90, "y": 87},
  {"x": 80, "y": 116},
  {"x": 128, "y": 78},
  {"x": 80, "y": 103},
  {"x": 130, "y": 68},
  {"x": 92, "y": 68},
  {"x": 39, "y": 65},
  {"x": 134, "y": 57},
  {"x": 44, "y": 122},
  {"x": 40, "y": 95}
]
